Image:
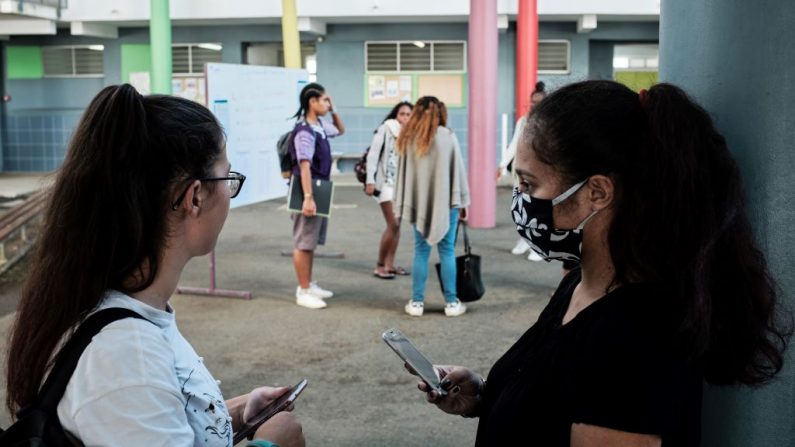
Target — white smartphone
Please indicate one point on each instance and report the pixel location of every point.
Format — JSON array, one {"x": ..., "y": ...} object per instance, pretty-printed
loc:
[
  {"x": 414, "y": 358},
  {"x": 266, "y": 413}
]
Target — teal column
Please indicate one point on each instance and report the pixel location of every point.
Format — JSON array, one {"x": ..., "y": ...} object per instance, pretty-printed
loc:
[
  {"x": 736, "y": 58},
  {"x": 160, "y": 41}
]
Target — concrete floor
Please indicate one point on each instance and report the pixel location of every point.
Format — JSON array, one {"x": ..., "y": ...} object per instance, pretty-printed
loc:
[{"x": 358, "y": 393}]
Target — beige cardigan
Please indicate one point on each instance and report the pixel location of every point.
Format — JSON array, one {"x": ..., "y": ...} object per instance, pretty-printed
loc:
[{"x": 429, "y": 186}]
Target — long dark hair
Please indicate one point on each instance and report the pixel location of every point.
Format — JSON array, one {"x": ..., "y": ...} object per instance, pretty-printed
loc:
[
  {"x": 311, "y": 90},
  {"x": 680, "y": 217},
  {"x": 106, "y": 221},
  {"x": 394, "y": 112}
]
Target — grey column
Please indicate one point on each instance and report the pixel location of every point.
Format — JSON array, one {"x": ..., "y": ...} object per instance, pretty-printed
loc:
[{"x": 737, "y": 58}]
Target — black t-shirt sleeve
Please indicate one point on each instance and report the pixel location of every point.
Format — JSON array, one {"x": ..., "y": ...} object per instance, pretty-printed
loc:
[{"x": 628, "y": 378}]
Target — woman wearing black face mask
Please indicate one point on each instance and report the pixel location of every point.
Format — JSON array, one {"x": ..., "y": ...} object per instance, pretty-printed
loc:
[{"x": 671, "y": 289}]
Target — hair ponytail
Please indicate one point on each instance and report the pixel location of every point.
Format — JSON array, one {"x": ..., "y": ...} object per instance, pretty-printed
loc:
[
  {"x": 311, "y": 90},
  {"x": 105, "y": 223},
  {"x": 680, "y": 219}
]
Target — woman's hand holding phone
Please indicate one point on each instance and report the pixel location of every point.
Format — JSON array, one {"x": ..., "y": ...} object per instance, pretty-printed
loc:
[
  {"x": 259, "y": 398},
  {"x": 464, "y": 389}
]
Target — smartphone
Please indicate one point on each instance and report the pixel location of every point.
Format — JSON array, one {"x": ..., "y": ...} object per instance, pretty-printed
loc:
[
  {"x": 414, "y": 358},
  {"x": 276, "y": 406}
]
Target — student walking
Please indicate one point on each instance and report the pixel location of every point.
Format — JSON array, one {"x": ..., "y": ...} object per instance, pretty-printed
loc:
[
  {"x": 382, "y": 166},
  {"x": 672, "y": 289},
  {"x": 145, "y": 187},
  {"x": 311, "y": 151},
  {"x": 432, "y": 193}
]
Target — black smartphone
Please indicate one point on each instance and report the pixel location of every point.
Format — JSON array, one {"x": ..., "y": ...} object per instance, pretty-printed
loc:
[
  {"x": 414, "y": 358},
  {"x": 280, "y": 404}
]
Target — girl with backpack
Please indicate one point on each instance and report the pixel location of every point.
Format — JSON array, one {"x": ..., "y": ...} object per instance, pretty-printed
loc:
[
  {"x": 311, "y": 151},
  {"x": 145, "y": 186},
  {"x": 382, "y": 165}
]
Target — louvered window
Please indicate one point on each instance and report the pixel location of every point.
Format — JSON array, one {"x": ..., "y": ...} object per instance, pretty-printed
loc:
[
  {"x": 190, "y": 59},
  {"x": 554, "y": 56},
  {"x": 73, "y": 61},
  {"x": 415, "y": 56}
]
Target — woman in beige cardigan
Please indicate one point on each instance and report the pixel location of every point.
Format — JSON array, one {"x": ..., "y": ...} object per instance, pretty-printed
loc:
[{"x": 432, "y": 194}]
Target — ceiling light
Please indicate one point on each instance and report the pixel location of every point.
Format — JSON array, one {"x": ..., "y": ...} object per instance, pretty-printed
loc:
[
  {"x": 211, "y": 46},
  {"x": 96, "y": 47},
  {"x": 419, "y": 44}
]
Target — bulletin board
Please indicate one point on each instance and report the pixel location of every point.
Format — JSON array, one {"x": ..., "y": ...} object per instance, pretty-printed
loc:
[
  {"x": 450, "y": 89},
  {"x": 386, "y": 90},
  {"x": 254, "y": 104}
]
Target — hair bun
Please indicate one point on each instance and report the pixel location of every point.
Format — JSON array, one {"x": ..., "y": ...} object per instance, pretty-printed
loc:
[{"x": 540, "y": 86}]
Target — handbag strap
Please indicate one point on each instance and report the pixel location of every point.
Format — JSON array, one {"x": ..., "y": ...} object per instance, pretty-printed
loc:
[
  {"x": 467, "y": 247},
  {"x": 55, "y": 386}
]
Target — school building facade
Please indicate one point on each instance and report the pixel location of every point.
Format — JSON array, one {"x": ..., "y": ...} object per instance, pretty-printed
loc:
[{"x": 368, "y": 55}]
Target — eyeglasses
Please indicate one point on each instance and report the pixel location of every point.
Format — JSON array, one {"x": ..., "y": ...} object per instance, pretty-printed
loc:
[{"x": 234, "y": 181}]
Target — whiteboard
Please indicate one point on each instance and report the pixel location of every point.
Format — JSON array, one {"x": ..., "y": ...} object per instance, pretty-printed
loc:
[{"x": 254, "y": 105}]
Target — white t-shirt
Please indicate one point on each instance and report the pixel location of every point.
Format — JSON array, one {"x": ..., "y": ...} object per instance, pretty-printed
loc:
[{"x": 142, "y": 384}]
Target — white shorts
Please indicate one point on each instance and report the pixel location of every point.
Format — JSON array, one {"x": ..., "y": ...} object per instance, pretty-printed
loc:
[{"x": 387, "y": 194}]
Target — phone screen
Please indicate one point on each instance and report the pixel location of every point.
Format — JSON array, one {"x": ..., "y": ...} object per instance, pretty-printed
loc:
[
  {"x": 276, "y": 406},
  {"x": 413, "y": 357}
]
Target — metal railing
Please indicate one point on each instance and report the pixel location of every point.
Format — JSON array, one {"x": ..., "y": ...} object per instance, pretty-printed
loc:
[{"x": 19, "y": 228}]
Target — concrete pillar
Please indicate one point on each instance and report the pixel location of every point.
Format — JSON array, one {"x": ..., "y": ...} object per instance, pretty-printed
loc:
[
  {"x": 482, "y": 122},
  {"x": 526, "y": 54},
  {"x": 160, "y": 41},
  {"x": 290, "y": 37},
  {"x": 736, "y": 58}
]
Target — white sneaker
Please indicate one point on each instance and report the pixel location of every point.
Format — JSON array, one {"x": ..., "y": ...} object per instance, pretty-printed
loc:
[
  {"x": 415, "y": 308},
  {"x": 305, "y": 298},
  {"x": 319, "y": 291},
  {"x": 521, "y": 247},
  {"x": 533, "y": 256},
  {"x": 455, "y": 308}
]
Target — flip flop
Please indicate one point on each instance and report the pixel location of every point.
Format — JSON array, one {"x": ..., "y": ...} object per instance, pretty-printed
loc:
[
  {"x": 400, "y": 271},
  {"x": 384, "y": 276}
]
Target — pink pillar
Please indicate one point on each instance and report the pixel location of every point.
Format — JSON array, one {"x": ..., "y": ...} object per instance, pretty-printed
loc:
[
  {"x": 526, "y": 54},
  {"x": 482, "y": 123}
]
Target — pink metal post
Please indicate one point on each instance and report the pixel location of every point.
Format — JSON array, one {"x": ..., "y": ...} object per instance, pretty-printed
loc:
[
  {"x": 526, "y": 54},
  {"x": 212, "y": 291},
  {"x": 482, "y": 123}
]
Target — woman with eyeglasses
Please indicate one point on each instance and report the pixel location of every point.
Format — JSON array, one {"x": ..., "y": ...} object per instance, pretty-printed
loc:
[{"x": 145, "y": 187}]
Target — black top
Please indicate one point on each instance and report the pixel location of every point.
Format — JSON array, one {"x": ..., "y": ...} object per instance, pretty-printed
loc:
[{"x": 614, "y": 365}]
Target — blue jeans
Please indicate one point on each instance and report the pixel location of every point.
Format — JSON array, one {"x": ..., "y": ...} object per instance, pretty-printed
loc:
[{"x": 422, "y": 252}]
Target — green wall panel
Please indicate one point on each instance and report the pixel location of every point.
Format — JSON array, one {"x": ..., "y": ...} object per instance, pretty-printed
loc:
[
  {"x": 135, "y": 57},
  {"x": 24, "y": 62},
  {"x": 637, "y": 80}
]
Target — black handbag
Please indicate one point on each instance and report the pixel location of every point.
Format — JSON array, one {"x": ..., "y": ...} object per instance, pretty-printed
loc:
[
  {"x": 38, "y": 424},
  {"x": 467, "y": 280}
]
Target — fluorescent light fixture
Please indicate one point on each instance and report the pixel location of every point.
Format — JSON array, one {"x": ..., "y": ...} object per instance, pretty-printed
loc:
[
  {"x": 96, "y": 47},
  {"x": 211, "y": 46},
  {"x": 419, "y": 44}
]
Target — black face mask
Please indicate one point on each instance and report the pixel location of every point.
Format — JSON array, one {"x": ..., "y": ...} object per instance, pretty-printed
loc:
[{"x": 533, "y": 219}]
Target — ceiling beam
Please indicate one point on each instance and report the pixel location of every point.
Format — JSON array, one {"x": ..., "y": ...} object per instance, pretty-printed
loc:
[
  {"x": 27, "y": 27},
  {"x": 310, "y": 25},
  {"x": 94, "y": 30},
  {"x": 586, "y": 23}
]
